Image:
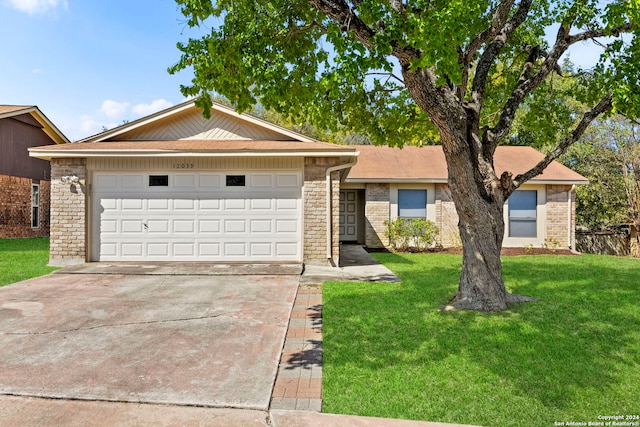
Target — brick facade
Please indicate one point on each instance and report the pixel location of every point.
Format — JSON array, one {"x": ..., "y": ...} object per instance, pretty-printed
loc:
[
  {"x": 68, "y": 213},
  {"x": 557, "y": 230},
  {"x": 446, "y": 218},
  {"x": 315, "y": 210},
  {"x": 15, "y": 208},
  {"x": 376, "y": 212}
]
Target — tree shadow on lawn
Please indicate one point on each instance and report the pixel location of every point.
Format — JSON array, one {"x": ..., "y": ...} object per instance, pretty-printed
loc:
[{"x": 572, "y": 342}]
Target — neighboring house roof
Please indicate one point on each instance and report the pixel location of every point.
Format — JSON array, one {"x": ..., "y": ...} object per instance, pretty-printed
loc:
[
  {"x": 428, "y": 164},
  {"x": 8, "y": 111}
]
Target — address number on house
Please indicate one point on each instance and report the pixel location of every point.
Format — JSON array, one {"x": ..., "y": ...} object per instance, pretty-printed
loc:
[{"x": 183, "y": 165}]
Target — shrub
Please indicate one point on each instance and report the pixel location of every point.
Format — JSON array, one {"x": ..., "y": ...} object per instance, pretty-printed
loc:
[{"x": 405, "y": 234}]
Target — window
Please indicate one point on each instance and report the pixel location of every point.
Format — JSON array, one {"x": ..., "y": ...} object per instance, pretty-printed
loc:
[
  {"x": 522, "y": 213},
  {"x": 412, "y": 203},
  {"x": 158, "y": 180},
  {"x": 235, "y": 180},
  {"x": 35, "y": 206}
]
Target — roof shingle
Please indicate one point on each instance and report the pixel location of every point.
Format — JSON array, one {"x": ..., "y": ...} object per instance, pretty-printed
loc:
[{"x": 427, "y": 163}]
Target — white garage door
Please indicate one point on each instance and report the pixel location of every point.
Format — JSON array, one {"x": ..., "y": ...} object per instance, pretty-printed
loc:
[{"x": 199, "y": 216}]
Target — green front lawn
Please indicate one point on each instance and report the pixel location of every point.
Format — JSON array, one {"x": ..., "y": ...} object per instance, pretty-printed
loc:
[
  {"x": 22, "y": 259},
  {"x": 571, "y": 357}
]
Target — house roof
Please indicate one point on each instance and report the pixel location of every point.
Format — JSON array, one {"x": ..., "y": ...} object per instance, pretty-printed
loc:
[
  {"x": 192, "y": 147},
  {"x": 428, "y": 164},
  {"x": 8, "y": 111}
]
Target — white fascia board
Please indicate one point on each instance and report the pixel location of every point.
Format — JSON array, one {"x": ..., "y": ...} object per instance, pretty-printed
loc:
[
  {"x": 445, "y": 181},
  {"x": 395, "y": 180},
  {"x": 556, "y": 182},
  {"x": 50, "y": 154}
]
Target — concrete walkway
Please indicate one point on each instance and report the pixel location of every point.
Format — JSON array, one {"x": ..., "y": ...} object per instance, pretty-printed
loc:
[{"x": 199, "y": 345}]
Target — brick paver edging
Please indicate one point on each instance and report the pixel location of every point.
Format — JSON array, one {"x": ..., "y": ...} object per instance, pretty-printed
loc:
[{"x": 298, "y": 384}]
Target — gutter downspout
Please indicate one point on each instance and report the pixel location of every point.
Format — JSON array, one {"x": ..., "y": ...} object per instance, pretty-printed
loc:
[
  {"x": 569, "y": 222},
  {"x": 330, "y": 207}
]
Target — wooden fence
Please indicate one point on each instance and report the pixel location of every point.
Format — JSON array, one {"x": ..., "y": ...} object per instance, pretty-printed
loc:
[{"x": 618, "y": 243}]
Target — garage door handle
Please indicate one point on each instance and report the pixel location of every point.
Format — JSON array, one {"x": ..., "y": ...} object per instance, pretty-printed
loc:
[{"x": 145, "y": 226}]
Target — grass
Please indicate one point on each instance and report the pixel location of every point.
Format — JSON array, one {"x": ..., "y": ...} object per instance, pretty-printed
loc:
[
  {"x": 574, "y": 355},
  {"x": 22, "y": 259}
]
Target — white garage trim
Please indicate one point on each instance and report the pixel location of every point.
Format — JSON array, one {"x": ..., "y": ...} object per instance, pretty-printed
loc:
[{"x": 168, "y": 215}]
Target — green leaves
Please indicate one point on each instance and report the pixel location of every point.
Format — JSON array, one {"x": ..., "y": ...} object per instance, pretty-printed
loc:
[{"x": 343, "y": 68}]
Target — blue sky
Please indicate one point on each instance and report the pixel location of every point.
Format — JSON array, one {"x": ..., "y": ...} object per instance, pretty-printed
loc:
[{"x": 93, "y": 63}]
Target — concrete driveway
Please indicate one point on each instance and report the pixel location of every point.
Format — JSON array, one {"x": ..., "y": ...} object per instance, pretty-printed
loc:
[{"x": 205, "y": 341}]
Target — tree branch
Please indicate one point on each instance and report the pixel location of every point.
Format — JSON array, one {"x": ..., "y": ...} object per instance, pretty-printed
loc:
[
  {"x": 489, "y": 55},
  {"x": 340, "y": 12},
  {"x": 605, "y": 105},
  {"x": 601, "y": 32},
  {"x": 466, "y": 57},
  {"x": 527, "y": 83}
]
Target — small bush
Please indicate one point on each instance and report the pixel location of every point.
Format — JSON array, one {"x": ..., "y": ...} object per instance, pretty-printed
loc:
[{"x": 415, "y": 234}]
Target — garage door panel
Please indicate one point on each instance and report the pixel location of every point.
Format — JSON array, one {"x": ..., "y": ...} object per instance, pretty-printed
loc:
[
  {"x": 261, "y": 180},
  {"x": 286, "y": 226},
  {"x": 261, "y": 204},
  {"x": 183, "y": 226},
  {"x": 131, "y": 227},
  {"x": 158, "y": 204},
  {"x": 131, "y": 205},
  {"x": 261, "y": 226},
  {"x": 132, "y": 181},
  {"x": 287, "y": 204},
  {"x": 158, "y": 249},
  {"x": 184, "y": 181},
  {"x": 287, "y": 249},
  {"x": 235, "y": 226},
  {"x": 132, "y": 249},
  {"x": 184, "y": 204},
  {"x": 235, "y": 249},
  {"x": 210, "y": 205},
  {"x": 209, "y": 226},
  {"x": 287, "y": 180},
  {"x": 203, "y": 221}
]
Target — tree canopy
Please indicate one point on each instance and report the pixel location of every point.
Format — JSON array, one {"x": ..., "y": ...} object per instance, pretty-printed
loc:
[{"x": 406, "y": 71}]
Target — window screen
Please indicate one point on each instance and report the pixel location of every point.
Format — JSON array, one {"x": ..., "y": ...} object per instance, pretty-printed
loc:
[
  {"x": 412, "y": 203},
  {"x": 522, "y": 213}
]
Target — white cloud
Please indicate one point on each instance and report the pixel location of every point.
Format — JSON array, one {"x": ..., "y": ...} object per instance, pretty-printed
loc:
[
  {"x": 114, "y": 109},
  {"x": 33, "y": 7},
  {"x": 153, "y": 107},
  {"x": 88, "y": 126}
]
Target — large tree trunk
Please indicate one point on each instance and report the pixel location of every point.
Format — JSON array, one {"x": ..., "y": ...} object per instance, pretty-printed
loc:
[
  {"x": 478, "y": 197},
  {"x": 478, "y": 194}
]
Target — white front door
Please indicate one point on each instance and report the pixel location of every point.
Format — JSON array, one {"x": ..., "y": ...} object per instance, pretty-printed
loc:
[
  {"x": 198, "y": 216},
  {"x": 348, "y": 215}
]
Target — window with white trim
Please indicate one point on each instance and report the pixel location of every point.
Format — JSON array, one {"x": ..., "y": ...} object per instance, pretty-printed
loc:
[
  {"x": 523, "y": 213},
  {"x": 35, "y": 206},
  {"x": 412, "y": 204}
]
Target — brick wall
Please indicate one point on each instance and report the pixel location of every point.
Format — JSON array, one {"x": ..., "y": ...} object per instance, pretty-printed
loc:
[
  {"x": 68, "y": 222},
  {"x": 376, "y": 212},
  {"x": 15, "y": 208},
  {"x": 446, "y": 218},
  {"x": 315, "y": 210},
  {"x": 557, "y": 227}
]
